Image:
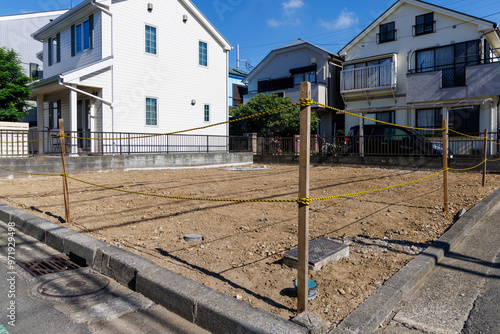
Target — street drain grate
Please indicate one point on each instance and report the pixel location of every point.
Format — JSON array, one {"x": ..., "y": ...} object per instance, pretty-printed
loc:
[{"x": 52, "y": 265}]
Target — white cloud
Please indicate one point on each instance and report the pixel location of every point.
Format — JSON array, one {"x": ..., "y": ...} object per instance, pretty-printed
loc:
[
  {"x": 288, "y": 14},
  {"x": 345, "y": 20}
]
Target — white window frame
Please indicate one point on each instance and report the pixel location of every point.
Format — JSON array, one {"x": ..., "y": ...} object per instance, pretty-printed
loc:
[
  {"x": 146, "y": 111},
  {"x": 205, "y": 113},
  {"x": 155, "y": 41},
  {"x": 199, "y": 54},
  {"x": 82, "y": 35}
]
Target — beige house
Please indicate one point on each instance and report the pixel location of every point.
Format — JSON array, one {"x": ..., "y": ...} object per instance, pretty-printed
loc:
[{"x": 419, "y": 63}]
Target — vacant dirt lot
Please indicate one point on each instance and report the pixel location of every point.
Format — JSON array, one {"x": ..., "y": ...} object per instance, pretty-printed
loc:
[{"x": 241, "y": 254}]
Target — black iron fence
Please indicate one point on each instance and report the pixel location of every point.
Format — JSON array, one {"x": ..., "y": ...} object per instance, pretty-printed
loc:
[
  {"x": 386, "y": 145},
  {"x": 30, "y": 143}
]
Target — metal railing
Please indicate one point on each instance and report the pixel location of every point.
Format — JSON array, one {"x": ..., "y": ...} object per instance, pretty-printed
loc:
[
  {"x": 23, "y": 143},
  {"x": 369, "y": 77},
  {"x": 385, "y": 145}
]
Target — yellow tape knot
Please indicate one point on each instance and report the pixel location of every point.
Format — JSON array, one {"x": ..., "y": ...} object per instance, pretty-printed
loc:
[
  {"x": 60, "y": 135},
  {"x": 64, "y": 175},
  {"x": 306, "y": 102},
  {"x": 304, "y": 201}
]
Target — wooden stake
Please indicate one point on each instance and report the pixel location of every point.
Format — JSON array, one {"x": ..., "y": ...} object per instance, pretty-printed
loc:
[
  {"x": 445, "y": 165},
  {"x": 65, "y": 180},
  {"x": 485, "y": 155},
  {"x": 304, "y": 161}
]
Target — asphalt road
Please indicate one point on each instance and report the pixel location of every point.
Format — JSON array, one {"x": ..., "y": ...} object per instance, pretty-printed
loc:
[{"x": 485, "y": 315}]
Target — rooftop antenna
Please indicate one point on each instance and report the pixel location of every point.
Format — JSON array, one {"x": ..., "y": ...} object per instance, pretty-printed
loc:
[{"x": 238, "y": 60}]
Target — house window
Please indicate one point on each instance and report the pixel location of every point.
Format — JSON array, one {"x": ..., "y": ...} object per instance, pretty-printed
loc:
[
  {"x": 54, "y": 114},
  {"x": 387, "y": 32},
  {"x": 429, "y": 118},
  {"x": 203, "y": 53},
  {"x": 451, "y": 60},
  {"x": 151, "y": 111},
  {"x": 206, "y": 113},
  {"x": 82, "y": 36},
  {"x": 424, "y": 24},
  {"x": 54, "y": 49},
  {"x": 150, "y": 39},
  {"x": 464, "y": 120},
  {"x": 385, "y": 116}
]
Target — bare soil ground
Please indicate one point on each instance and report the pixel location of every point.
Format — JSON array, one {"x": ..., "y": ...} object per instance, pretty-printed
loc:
[{"x": 244, "y": 243}]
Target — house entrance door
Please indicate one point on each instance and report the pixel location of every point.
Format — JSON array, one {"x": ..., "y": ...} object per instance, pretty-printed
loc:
[{"x": 83, "y": 125}]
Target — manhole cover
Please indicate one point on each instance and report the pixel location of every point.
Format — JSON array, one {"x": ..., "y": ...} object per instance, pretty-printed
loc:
[{"x": 73, "y": 286}]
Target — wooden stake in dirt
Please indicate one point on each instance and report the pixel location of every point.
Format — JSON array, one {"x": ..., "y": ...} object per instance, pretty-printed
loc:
[
  {"x": 63, "y": 158},
  {"x": 445, "y": 164},
  {"x": 304, "y": 160},
  {"x": 485, "y": 155}
]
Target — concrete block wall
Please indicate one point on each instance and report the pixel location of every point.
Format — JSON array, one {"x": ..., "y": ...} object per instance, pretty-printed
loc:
[{"x": 52, "y": 164}]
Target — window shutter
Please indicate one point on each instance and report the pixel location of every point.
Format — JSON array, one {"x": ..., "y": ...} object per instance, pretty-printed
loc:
[
  {"x": 58, "y": 39},
  {"x": 50, "y": 51},
  {"x": 91, "y": 31},
  {"x": 73, "y": 40},
  {"x": 51, "y": 115}
]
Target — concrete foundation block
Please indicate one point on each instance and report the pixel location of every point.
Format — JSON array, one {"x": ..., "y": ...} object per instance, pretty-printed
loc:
[{"x": 313, "y": 323}]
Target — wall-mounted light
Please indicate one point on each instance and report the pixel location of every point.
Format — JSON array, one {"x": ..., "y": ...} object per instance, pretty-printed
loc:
[
  {"x": 184, "y": 18},
  {"x": 193, "y": 102},
  {"x": 150, "y": 7}
]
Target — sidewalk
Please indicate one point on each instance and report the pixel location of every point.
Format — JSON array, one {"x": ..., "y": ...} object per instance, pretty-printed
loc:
[
  {"x": 462, "y": 292},
  {"x": 451, "y": 287},
  {"x": 113, "y": 309}
]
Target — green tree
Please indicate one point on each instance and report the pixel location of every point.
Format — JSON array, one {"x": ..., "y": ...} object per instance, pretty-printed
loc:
[
  {"x": 282, "y": 123},
  {"x": 14, "y": 89}
]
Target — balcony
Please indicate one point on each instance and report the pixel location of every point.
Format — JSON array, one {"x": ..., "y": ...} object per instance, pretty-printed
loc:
[
  {"x": 369, "y": 78},
  {"x": 454, "y": 81}
]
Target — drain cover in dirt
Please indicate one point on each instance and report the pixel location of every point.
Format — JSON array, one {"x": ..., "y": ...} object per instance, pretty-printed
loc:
[{"x": 73, "y": 286}]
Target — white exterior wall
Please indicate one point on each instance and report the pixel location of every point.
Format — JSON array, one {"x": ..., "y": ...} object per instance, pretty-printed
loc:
[
  {"x": 83, "y": 58},
  {"x": 173, "y": 75}
]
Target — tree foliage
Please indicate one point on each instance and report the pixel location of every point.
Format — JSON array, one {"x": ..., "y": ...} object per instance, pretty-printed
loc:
[
  {"x": 282, "y": 123},
  {"x": 14, "y": 89}
]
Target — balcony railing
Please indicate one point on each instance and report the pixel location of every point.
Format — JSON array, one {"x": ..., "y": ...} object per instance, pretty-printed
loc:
[
  {"x": 454, "y": 69},
  {"x": 368, "y": 78}
]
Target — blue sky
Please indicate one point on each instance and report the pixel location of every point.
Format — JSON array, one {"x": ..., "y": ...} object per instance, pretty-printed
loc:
[{"x": 262, "y": 25}]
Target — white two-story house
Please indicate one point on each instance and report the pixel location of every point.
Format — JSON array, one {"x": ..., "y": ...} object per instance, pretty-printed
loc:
[
  {"x": 419, "y": 63},
  {"x": 284, "y": 68},
  {"x": 132, "y": 66}
]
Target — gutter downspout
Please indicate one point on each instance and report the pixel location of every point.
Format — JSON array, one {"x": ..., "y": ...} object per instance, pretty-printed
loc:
[
  {"x": 481, "y": 38},
  {"x": 93, "y": 2}
]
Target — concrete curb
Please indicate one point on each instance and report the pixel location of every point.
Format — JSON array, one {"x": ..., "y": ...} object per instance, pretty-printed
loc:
[
  {"x": 375, "y": 309},
  {"x": 193, "y": 301}
]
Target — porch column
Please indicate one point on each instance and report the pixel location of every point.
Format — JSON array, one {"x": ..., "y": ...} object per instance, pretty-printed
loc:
[
  {"x": 73, "y": 126},
  {"x": 92, "y": 125},
  {"x": 39, "y": 120}
]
